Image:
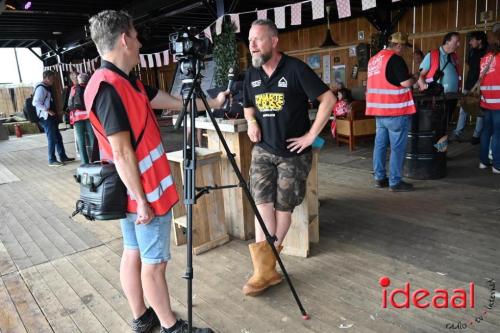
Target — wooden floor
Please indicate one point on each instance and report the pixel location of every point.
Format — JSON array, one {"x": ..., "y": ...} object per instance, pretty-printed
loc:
[{"x": 60, "y": 275}]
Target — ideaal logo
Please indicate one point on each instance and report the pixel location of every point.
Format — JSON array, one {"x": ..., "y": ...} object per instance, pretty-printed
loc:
[
  {"x": 421, "y": 298},
  {"x": 440, "y": 299}
]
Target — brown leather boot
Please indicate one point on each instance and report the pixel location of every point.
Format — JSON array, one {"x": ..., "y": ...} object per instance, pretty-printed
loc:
[{"x": 264, "y": 269}]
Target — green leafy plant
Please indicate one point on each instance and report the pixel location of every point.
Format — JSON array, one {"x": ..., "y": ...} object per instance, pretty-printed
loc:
[{"x": 225, "y": 52}]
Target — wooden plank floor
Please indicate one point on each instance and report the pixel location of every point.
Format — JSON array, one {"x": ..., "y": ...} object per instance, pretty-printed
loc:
[{"x": 62, "y": 275}]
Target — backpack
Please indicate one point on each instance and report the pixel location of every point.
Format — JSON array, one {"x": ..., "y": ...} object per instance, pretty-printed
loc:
[{"x": 29, "y": 110}]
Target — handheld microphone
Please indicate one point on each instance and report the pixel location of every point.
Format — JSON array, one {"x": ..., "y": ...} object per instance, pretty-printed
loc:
[{"x": 231, "y": 78}]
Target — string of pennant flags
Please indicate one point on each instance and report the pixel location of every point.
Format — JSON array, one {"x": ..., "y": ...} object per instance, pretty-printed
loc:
[
  {"x": 162, "y": 58},
  {"x": 86, "y": 66}
]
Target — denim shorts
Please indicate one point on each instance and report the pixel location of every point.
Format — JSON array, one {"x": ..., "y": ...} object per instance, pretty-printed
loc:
[{"x": 152, "y": 239}]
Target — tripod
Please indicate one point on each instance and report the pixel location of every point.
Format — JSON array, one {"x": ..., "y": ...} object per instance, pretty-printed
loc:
[{"x": 190, "y": 90}]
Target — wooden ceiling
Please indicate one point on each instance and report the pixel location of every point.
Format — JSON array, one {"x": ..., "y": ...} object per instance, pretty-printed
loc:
[{"x": 60, "y": 25}]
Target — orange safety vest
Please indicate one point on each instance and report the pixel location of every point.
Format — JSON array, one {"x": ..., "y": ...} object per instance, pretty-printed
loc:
[
  {"x": 77, "y": 115},
  {"x": 490, "y": 84},
  {"x": 435, "y": 56},
  {"x": 382, "y": 97},
  {"x": 156, "y": 178}
]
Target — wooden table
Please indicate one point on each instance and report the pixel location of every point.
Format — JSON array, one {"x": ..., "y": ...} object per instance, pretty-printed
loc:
[{"x": 238, "y": 212}]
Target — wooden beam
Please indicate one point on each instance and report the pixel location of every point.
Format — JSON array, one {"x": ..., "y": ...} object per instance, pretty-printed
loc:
[
  {"x": 210, "y": 9},
  {"x": 36, "y": 55}
]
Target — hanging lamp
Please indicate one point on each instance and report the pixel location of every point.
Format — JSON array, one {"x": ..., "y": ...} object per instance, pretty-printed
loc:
[{"x": 328, "y": 42}]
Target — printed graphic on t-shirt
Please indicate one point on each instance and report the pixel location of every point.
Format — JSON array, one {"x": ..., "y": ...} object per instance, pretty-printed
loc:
[
  {"x": 256, "y": 84},
  {"x": 375, "y": 65},
  {"x": 282, "y": 83},
  {"x": 270, "y": 102},
  {"x": 492, "y": 66}
]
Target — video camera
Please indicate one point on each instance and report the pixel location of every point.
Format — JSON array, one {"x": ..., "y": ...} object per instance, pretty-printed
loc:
[{"x": 184, "y": 44}]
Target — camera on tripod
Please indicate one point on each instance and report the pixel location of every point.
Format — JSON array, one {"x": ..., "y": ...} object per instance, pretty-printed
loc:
[
  {"x": 188, "y": 49},
  {"x": 184, "y": 44}
]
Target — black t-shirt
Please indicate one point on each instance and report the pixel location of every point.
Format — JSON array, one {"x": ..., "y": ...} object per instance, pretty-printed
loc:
[
  {"x": 281, "y": 102},
  {"x": 109, "y": 108},
  {"x": 396, "y": 70},
  {"x": 474, "y": 60}
]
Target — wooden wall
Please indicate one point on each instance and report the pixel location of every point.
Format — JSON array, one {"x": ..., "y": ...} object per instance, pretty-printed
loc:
[{"x": 426, "y": 25}]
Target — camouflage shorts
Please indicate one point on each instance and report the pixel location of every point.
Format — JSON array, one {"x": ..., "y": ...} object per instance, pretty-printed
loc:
[{"x": 281, "y": 180}]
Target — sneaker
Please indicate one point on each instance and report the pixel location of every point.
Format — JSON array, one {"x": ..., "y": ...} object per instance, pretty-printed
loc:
[
  {"x": 402, "y": 187},
  {"x": 181, "y": 326},
  {"x": 56, "y": 164},
  {"x": 146, "y": 322},
  {"x": 483, "y": 166},
  {"x": 495, "y": 170},
  {"x": 381, "y": 183},
  {"x": 475, "y": 140},
  {"x": 67, "y": 159}
]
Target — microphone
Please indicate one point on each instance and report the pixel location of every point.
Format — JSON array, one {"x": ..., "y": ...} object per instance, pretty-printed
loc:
[{"x": 231, "y": 78}]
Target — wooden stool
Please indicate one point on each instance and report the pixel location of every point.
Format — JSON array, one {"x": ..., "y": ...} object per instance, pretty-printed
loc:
[
  {"x": 209, "y": 227},
  {"x": 305, "y": 221}
]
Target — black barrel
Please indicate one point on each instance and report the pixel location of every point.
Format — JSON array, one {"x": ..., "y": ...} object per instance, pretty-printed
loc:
[{"x": 428, "y": 127}]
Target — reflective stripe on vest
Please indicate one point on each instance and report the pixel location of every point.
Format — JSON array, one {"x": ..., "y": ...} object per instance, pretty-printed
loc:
[
  {"x": 156, "y": 194},
  {"x": 147, "y": 162},
  {"x": 389, "y": 105},
  {"x": 490, "y": 100},
  {"x": 490, "y": 87},
  {"x": 388, "y": 91}
]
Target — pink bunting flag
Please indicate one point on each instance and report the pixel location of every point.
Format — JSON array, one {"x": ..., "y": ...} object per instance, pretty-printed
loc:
[
  {"x": 235, "y": 18},
  {"x": 318, "y": 9},
  {"x": 166, "y": 58},
  {"x": 368, "y": 4},
  {"x": 344, "y": 8},
  {"x": 158, "y": 59},
  {"x": 296, "y": 13},
  {"x": 208, "y": 33},
  {"x": 143, "y": 61},
  {"x": 218, "y": 25},
  {"x": 151, "y": 64},
  {"x": 262, "y": 14},
  {"x": 279, "y": 17}
]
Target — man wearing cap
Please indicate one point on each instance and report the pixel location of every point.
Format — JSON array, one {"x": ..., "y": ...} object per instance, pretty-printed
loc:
[{"x": 389, "y": 98}]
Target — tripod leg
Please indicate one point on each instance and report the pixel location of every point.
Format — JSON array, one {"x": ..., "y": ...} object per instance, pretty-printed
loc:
[{"x": 270, "y": 239}]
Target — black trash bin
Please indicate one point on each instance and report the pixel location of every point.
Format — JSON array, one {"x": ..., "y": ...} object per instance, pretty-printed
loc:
[{"x": 428, "y": 126}]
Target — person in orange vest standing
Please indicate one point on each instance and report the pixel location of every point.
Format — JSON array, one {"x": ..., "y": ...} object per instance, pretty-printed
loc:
[
  {"x": 121, "y": 112},
  {"x": 78, "y": 116},
  {"x": 490, "y": 103},
  {"x": 441, "y": 65},
  {"x": 389, "y": 98}
]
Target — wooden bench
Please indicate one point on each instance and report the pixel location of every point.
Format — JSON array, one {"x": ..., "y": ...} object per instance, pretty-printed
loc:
[
  {"x": 305, "y": 217},
  {"x": 209, "y": 226}
]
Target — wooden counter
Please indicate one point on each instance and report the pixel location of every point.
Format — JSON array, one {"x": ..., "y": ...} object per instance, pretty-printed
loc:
[{"x": 238, "y": 211}]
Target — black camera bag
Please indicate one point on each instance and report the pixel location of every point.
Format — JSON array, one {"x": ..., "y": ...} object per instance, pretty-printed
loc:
[{"x": 103, "y": 196}]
